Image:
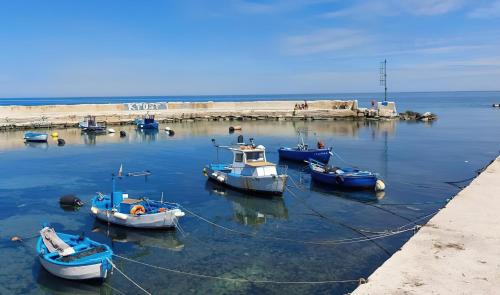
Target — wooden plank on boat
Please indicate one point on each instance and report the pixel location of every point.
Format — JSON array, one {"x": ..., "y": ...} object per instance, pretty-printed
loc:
[
  {"x": 131, "y": 201},
  {"x": 260, "y": 164}
]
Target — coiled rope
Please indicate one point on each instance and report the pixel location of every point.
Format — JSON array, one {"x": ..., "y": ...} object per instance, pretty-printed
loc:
[{"x": 241, "y": 280}]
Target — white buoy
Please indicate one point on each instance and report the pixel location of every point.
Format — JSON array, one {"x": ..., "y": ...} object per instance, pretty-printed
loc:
[
  {"x": 379, "y": 185},
  {"x": 168, "y": 128},
  {"x": 111, "y": 130}
]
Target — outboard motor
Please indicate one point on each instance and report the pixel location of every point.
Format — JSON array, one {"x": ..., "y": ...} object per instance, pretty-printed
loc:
[
  {"x": 70, "y": 201},
  {"x": 240, "y": 139}
]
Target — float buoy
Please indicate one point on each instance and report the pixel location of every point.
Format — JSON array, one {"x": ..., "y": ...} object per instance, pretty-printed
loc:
[
  {"x": 137, "y": 209},
  {"x": 61, "y": 142},
  {"x": 233, "y": 128},
  {"x": 70, "y": 200},
  {"x": 111, "y": 130},
  {"x": 123, "y": 133},
  {"x": 55, "y": 134},
  {"x": 379, "y": 185}
]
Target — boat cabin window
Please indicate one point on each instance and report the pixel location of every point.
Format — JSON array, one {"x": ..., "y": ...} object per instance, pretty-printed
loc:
[
  {"x": 255, "y": 156},
  {"x": 238, "y": 157}
]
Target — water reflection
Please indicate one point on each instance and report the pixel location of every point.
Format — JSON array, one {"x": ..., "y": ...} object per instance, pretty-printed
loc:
[
  {"x": 147, "y": 135},
  {"x": 250, "y": 210},
  {"x": 143, "y": 238},
  {"x": 37, "y": 145},
  {"x": 364, "y": 196}
]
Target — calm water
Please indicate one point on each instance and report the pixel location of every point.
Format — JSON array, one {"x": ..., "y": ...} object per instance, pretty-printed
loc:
[{"x": 416, "y": 161}]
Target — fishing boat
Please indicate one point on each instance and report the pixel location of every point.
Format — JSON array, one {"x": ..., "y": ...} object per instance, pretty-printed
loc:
[
  {"x": 118, "y": 208},
  {"x": 35, "y": 136},
  {"x": 347, "y": 178},
  {"x": 89, "y": 124},
  {"x": 148, "y": 122},
  {"x": 73, "y": 257},
  {"x": 302, "y": 152},
  {"x": 250, "y": 170}
]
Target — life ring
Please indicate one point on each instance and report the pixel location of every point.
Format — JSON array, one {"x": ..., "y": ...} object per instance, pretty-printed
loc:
[
  {"x": 160, "y": 210},
  {"x": 137, "y": 209},
  {"x": 339, "y": 179}
]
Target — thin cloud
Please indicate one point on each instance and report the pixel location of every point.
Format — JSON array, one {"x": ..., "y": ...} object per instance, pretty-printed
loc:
[
  {"x": 489, "y": 11},
  {"x": 324, "y": 41}
]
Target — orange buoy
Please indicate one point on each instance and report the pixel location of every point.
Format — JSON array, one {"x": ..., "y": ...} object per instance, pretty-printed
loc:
[{"x": 137, "y": 209}]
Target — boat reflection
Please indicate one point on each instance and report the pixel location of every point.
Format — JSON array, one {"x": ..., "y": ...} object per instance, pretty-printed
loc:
[
  {"x": 37, "y": 145},
  {"x": 50, "y": 284},
  {"x": 250, "y": 210},
  {"x": 147, "y": 135},
  {"x": 363, "y": 196},
  {"x": 144, "y": 238}
]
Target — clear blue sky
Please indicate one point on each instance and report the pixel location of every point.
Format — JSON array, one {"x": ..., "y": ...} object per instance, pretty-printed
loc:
[{"x": 108, "y": 48}]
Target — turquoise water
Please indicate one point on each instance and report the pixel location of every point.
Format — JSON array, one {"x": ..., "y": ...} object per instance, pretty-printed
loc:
[{"x": 416, "y": 160}]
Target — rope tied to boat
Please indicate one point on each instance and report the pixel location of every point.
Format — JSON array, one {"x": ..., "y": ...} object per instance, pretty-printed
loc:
[
  {"x": 127, "y": 277},
  {"x": 240, "y": 280}
]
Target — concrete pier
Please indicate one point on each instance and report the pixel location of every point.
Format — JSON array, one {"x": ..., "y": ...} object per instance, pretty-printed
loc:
[{"x": 456, "y": 252}]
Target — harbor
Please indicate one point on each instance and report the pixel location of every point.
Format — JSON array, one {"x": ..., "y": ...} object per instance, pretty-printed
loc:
[{"x": 312, "y": 238}]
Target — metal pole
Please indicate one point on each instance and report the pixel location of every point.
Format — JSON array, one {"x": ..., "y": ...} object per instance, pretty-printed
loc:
[
  {"x": 113, "y": 191},
  {"x": 385, "y": 79}
]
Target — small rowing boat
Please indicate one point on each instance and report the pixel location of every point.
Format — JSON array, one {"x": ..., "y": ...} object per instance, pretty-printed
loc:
[
  {"x": 35, "y": 136},
  {"x": 73, "y": 257},
  {"x": 347, "y": 178}
]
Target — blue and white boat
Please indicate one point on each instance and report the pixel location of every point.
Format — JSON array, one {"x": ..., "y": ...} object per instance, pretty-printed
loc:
[
  {"x": 118, "y": 208},
  {"x": 250, "y": 171},
  {"x": 346, "y": 178},
  {"x": 73, "y": 257},
  {"x": 148, "y": 122},
  {"x": 35, "y": 136},
  {"x": 302, "y": 152}
]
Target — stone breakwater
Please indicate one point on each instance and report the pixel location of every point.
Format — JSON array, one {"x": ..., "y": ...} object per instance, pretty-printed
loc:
[{"x": 60, "y": 116}]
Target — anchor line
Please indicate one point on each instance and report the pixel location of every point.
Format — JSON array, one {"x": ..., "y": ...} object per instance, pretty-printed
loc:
[
  {"x": 365, "y": 238},
  {"x": 127, "y": 277},
  {"x": 241, "y": 280}
]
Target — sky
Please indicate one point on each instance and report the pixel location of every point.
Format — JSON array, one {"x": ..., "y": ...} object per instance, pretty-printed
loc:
[{"x": 64, "y": 48}]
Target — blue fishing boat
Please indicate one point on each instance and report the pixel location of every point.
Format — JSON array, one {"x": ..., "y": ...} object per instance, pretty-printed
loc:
[
  {"x": 302, "y": 152},
  {"x": 118, "y": 208},
  {"x": 347, "y": 178},
  {"x": 35, "y": 136},
  {"x": 250, "y": 170},
  {"x": 73, "y": 257},
  {"x": 148, "y": 122}
]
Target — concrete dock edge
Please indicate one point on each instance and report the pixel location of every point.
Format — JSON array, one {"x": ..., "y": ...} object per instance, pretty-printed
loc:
[{"x": 456, "y": 252}]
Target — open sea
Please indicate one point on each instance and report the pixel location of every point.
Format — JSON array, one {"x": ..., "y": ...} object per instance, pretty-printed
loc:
[{"x": 423, "y": 165}]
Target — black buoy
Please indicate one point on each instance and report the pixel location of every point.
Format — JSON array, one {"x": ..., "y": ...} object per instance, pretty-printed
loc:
[
  {"x": 240, "y": 138},
  {"x": 171, "y": 133},
  {"x": 70, "y": 201},
  {"x": 231, "y": 129},
  {"x": 123, "y": 133},
  {"x": 61, "y": 142}
]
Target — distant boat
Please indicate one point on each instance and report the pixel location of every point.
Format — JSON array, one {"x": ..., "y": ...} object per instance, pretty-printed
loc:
[
  {"x": 35, "y": 137},
  {"x": 89, "y": 124},
  {"x": 249, "y": 171},
  {"x": 147, "y": 123},
  {"x": 73, "y": 257},
  {"x": 118, "y": 208},
  {"x": 348, "y": 178},
  {"x": 302, "y": 152}
]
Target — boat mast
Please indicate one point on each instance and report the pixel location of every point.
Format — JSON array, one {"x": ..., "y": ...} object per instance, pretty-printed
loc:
[{"x": 113, "y": 190}]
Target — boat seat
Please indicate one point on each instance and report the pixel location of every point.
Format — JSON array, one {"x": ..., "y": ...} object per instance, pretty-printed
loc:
[
  {"x": 54, "y": 243},
  {"x": 83, "y": 254}
]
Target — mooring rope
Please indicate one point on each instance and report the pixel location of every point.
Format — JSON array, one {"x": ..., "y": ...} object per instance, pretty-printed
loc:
[
  {"x": 325, "y": 242},
  {"x": 127, "y": 277},
  {"x": 241, "y": 280}
]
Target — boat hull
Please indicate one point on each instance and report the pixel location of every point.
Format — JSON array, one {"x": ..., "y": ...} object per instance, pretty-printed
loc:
[
  {"x": 274, "y": 184},
  {"x": 348, "y": 182},
  {"x": 36, "y": 137},
  {"x": 153, "y": 126},
  {"x": 79, "y": 272},
  {"x": 321, "y": 155},
  {"x": 166, "y": 219}
]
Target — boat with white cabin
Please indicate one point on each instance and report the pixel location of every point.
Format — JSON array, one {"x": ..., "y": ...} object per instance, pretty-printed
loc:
[{"x": 250, "y": 170}]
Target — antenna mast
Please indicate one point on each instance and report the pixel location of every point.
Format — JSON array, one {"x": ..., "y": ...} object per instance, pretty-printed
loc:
[{"x": 383, "y": 77}]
